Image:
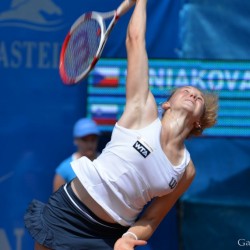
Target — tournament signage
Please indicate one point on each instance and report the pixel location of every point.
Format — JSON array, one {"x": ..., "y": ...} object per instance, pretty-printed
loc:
[{"x": 229, "y": 79}]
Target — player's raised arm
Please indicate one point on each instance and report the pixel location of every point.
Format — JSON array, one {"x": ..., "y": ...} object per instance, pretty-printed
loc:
[{"x": 140, "y": 105}]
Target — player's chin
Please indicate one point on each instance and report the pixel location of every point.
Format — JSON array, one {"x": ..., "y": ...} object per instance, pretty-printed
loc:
[
  {"x": 190, "y": 108},
  {"x": 192, "y": 111}
]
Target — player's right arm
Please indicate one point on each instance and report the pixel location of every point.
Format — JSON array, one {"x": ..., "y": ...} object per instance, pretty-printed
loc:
[{"x": 140, "y": 108}]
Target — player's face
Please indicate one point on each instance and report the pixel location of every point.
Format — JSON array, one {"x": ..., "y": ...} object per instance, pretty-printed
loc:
[{"x": 189, "y": 99}]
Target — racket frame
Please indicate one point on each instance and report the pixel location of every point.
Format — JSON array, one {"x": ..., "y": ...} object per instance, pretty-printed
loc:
[{"x": 100, "y": 17}]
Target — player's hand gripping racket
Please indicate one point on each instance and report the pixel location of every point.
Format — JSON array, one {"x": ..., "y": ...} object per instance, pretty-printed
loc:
[{"x": 85, "y": 41}]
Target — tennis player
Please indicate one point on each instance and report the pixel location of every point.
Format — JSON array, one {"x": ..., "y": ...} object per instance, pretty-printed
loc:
[{"x": 146, "y": 161}]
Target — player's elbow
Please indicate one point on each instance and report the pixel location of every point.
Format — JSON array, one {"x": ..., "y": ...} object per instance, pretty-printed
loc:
[{"x": 134, "y": 39}]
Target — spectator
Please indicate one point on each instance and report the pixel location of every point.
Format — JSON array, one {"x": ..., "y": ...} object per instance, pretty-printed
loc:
[{"x": 86, "y": 135}]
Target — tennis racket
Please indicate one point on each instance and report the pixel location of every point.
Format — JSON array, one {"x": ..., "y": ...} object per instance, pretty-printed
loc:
[{"x": 85, "y": 42}]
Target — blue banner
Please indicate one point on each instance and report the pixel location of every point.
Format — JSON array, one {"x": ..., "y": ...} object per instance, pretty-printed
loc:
[
  {"x": 230, "y": 80},
  {"x": 37, "y": 110},
  {"x": 211, "y": 29}
]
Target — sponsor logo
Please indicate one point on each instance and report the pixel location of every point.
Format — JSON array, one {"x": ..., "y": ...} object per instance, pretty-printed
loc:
[
  {"x": 172, "y": 184},
  {"x": 32, "y": 14},
  {"x": 139, "y": 147}
]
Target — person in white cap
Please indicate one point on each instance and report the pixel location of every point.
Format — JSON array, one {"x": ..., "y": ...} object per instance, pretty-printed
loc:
[{"x": 86, "y": 134}]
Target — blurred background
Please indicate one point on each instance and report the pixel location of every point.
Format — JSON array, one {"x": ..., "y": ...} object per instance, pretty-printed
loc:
[{"x": 190, "y": 42}]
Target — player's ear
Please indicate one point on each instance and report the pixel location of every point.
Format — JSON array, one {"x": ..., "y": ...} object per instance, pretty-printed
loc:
[
  {"x": 166, "y": 105},
  {"x": 197, "y": 125}
]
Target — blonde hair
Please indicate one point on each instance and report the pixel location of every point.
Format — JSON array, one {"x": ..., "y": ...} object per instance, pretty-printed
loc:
[{"x": 209, "y": 116}]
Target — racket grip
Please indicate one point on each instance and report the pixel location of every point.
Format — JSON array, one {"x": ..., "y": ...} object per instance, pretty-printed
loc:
[{"x": 125, "y": 7}]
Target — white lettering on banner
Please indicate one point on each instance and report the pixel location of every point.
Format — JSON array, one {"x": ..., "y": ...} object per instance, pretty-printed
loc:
[
  {"x": 4, "y": 240},
  {"x": 3, "y": 55},
  {"x": 181, "y": 79},
  {"x": 246, "y": 81},
  {"x": 29, "y": 54},
  {"x": 166, "y": 77},
  {"x": 231, "y": 77},
  {"x": 211, "y": 79},
  {"x": 196, "y": 78},
  {"x": 5, "y": 243},
  {"x": 170, "y": 77},
  {"x": 19, "y": 232},
  {"x": 157, "y": 78},
  {"x": 215, "y": 79}
]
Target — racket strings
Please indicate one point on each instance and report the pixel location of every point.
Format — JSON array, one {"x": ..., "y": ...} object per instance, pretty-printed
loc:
[{"x": 82, "y": 47}]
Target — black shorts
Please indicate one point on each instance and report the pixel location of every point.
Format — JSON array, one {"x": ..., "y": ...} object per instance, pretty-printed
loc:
[{"x": 66, "y": 223}]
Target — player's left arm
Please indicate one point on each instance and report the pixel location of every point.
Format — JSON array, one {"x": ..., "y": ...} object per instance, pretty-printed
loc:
[{"x": 160, "y": 206}]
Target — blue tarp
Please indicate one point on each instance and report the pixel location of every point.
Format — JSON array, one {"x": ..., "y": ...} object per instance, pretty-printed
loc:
[
  {"x": 37, "y": 112},
  {"x": 212, "y": 29},
  {"x": 216, "y": 209}
]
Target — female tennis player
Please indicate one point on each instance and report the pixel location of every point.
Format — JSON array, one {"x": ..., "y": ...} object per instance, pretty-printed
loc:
[{"x": 146, "y": 161}]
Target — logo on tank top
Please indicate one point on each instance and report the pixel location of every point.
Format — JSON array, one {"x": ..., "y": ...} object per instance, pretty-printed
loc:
[
  {"x": 139, "y": 147},
  {"x": 172, "y": 184}
]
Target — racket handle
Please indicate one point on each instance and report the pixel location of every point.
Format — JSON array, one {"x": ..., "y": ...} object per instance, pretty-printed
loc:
[{"x": 125, "y": 7}]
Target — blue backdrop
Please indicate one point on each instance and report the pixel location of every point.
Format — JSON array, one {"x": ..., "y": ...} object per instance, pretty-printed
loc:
[{"x": 37, "y": 112}]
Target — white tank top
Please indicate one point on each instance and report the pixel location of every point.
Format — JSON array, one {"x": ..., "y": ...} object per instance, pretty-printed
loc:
[{"x": 131, "y": 170}]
